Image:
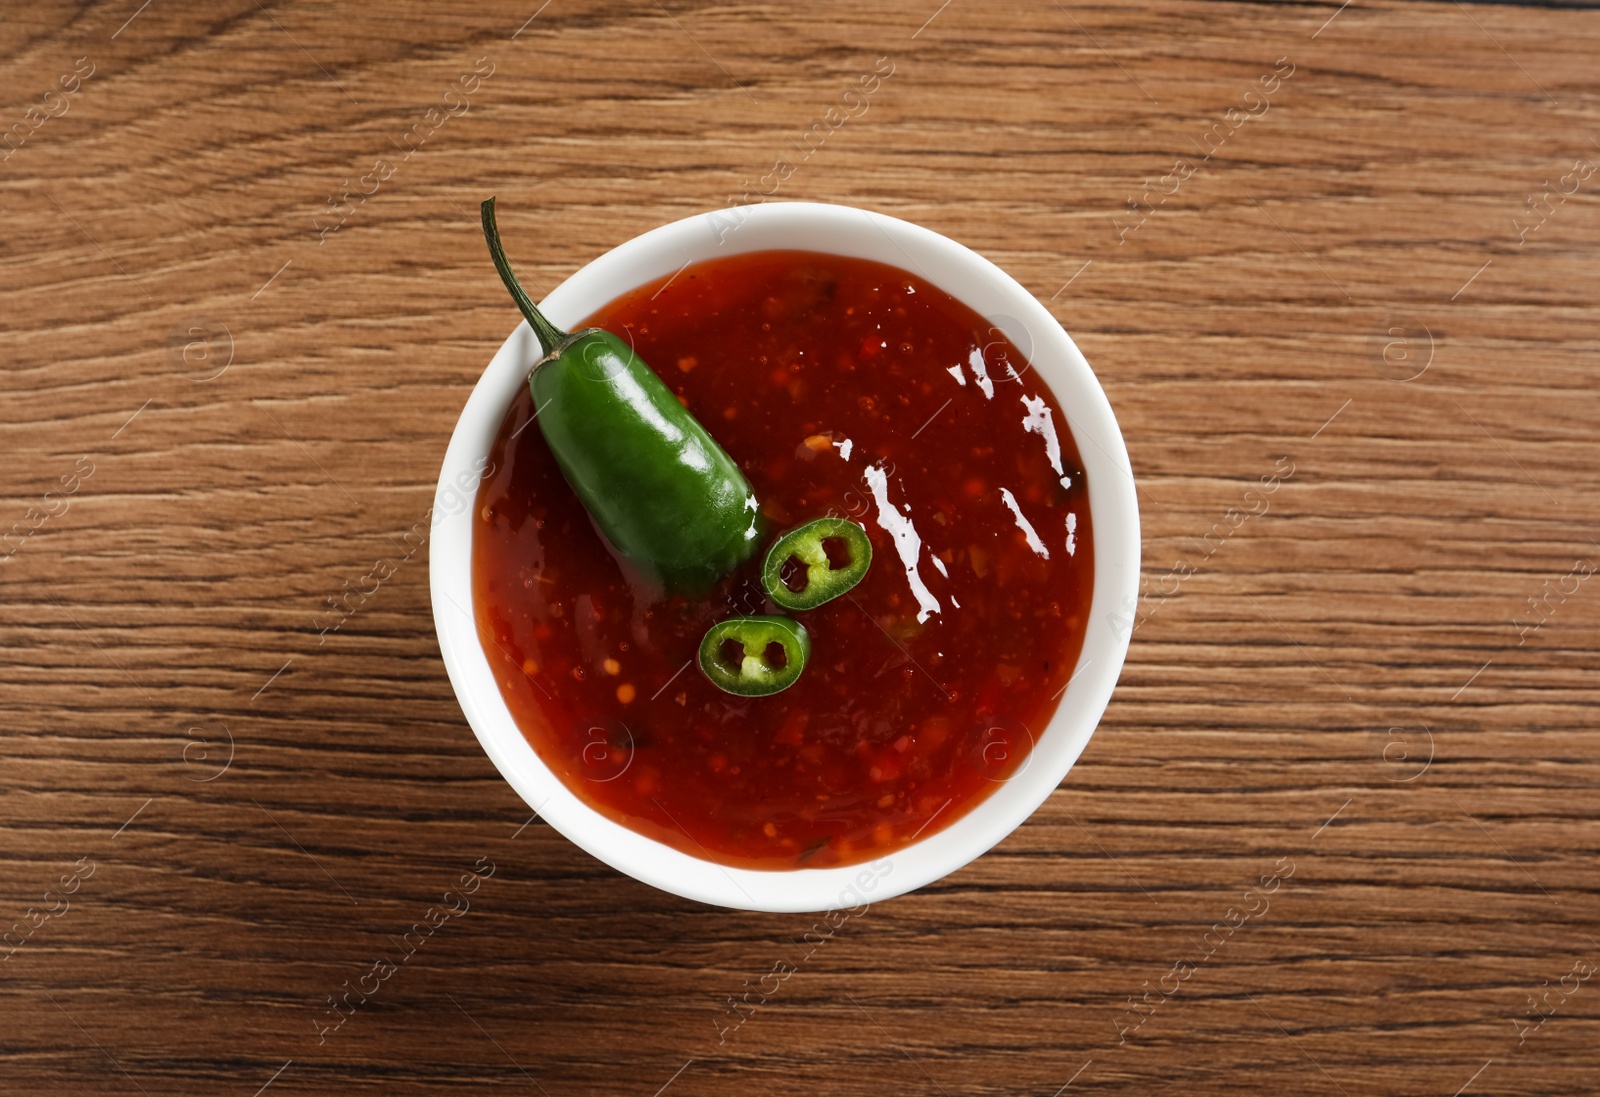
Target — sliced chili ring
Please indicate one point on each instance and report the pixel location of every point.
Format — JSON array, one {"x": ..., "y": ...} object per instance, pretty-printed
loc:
[
  {"x": 823, "y": 581},
  {"x": 755, "y": 656}
]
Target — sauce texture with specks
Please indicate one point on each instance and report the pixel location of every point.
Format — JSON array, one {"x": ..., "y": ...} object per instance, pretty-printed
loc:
[{"x": 843, "y": 387}]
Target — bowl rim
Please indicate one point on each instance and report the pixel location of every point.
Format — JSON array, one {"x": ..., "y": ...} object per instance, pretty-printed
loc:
[{"x": 1114, "y": 526}]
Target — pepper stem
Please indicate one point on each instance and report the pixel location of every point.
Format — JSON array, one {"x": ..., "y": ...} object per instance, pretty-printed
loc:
[{"x": 548, "y": 334}]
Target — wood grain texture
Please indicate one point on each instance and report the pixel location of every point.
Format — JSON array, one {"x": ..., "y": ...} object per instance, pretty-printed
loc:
[{"x": 1347, "y": 685}]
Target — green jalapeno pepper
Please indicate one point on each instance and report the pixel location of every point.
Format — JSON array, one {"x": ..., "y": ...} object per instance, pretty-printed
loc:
[
  {"x": 660, "y": 489},
  {"x": 823, "y": 581},
  {"x": 737, "y": 654}
]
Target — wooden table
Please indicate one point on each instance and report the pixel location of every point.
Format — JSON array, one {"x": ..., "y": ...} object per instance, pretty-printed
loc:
[{"x": 1353, "y": 246}]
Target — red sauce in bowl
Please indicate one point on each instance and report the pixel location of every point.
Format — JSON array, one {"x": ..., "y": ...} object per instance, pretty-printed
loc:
[{"x": 840, "y": 386}]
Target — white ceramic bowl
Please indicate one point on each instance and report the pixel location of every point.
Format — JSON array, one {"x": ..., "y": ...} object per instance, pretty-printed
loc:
[{"x": 1114, "y": 527}]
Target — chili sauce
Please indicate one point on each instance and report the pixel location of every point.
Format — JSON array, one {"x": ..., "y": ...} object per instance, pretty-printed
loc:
[{"x": 841, "y": 387}]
